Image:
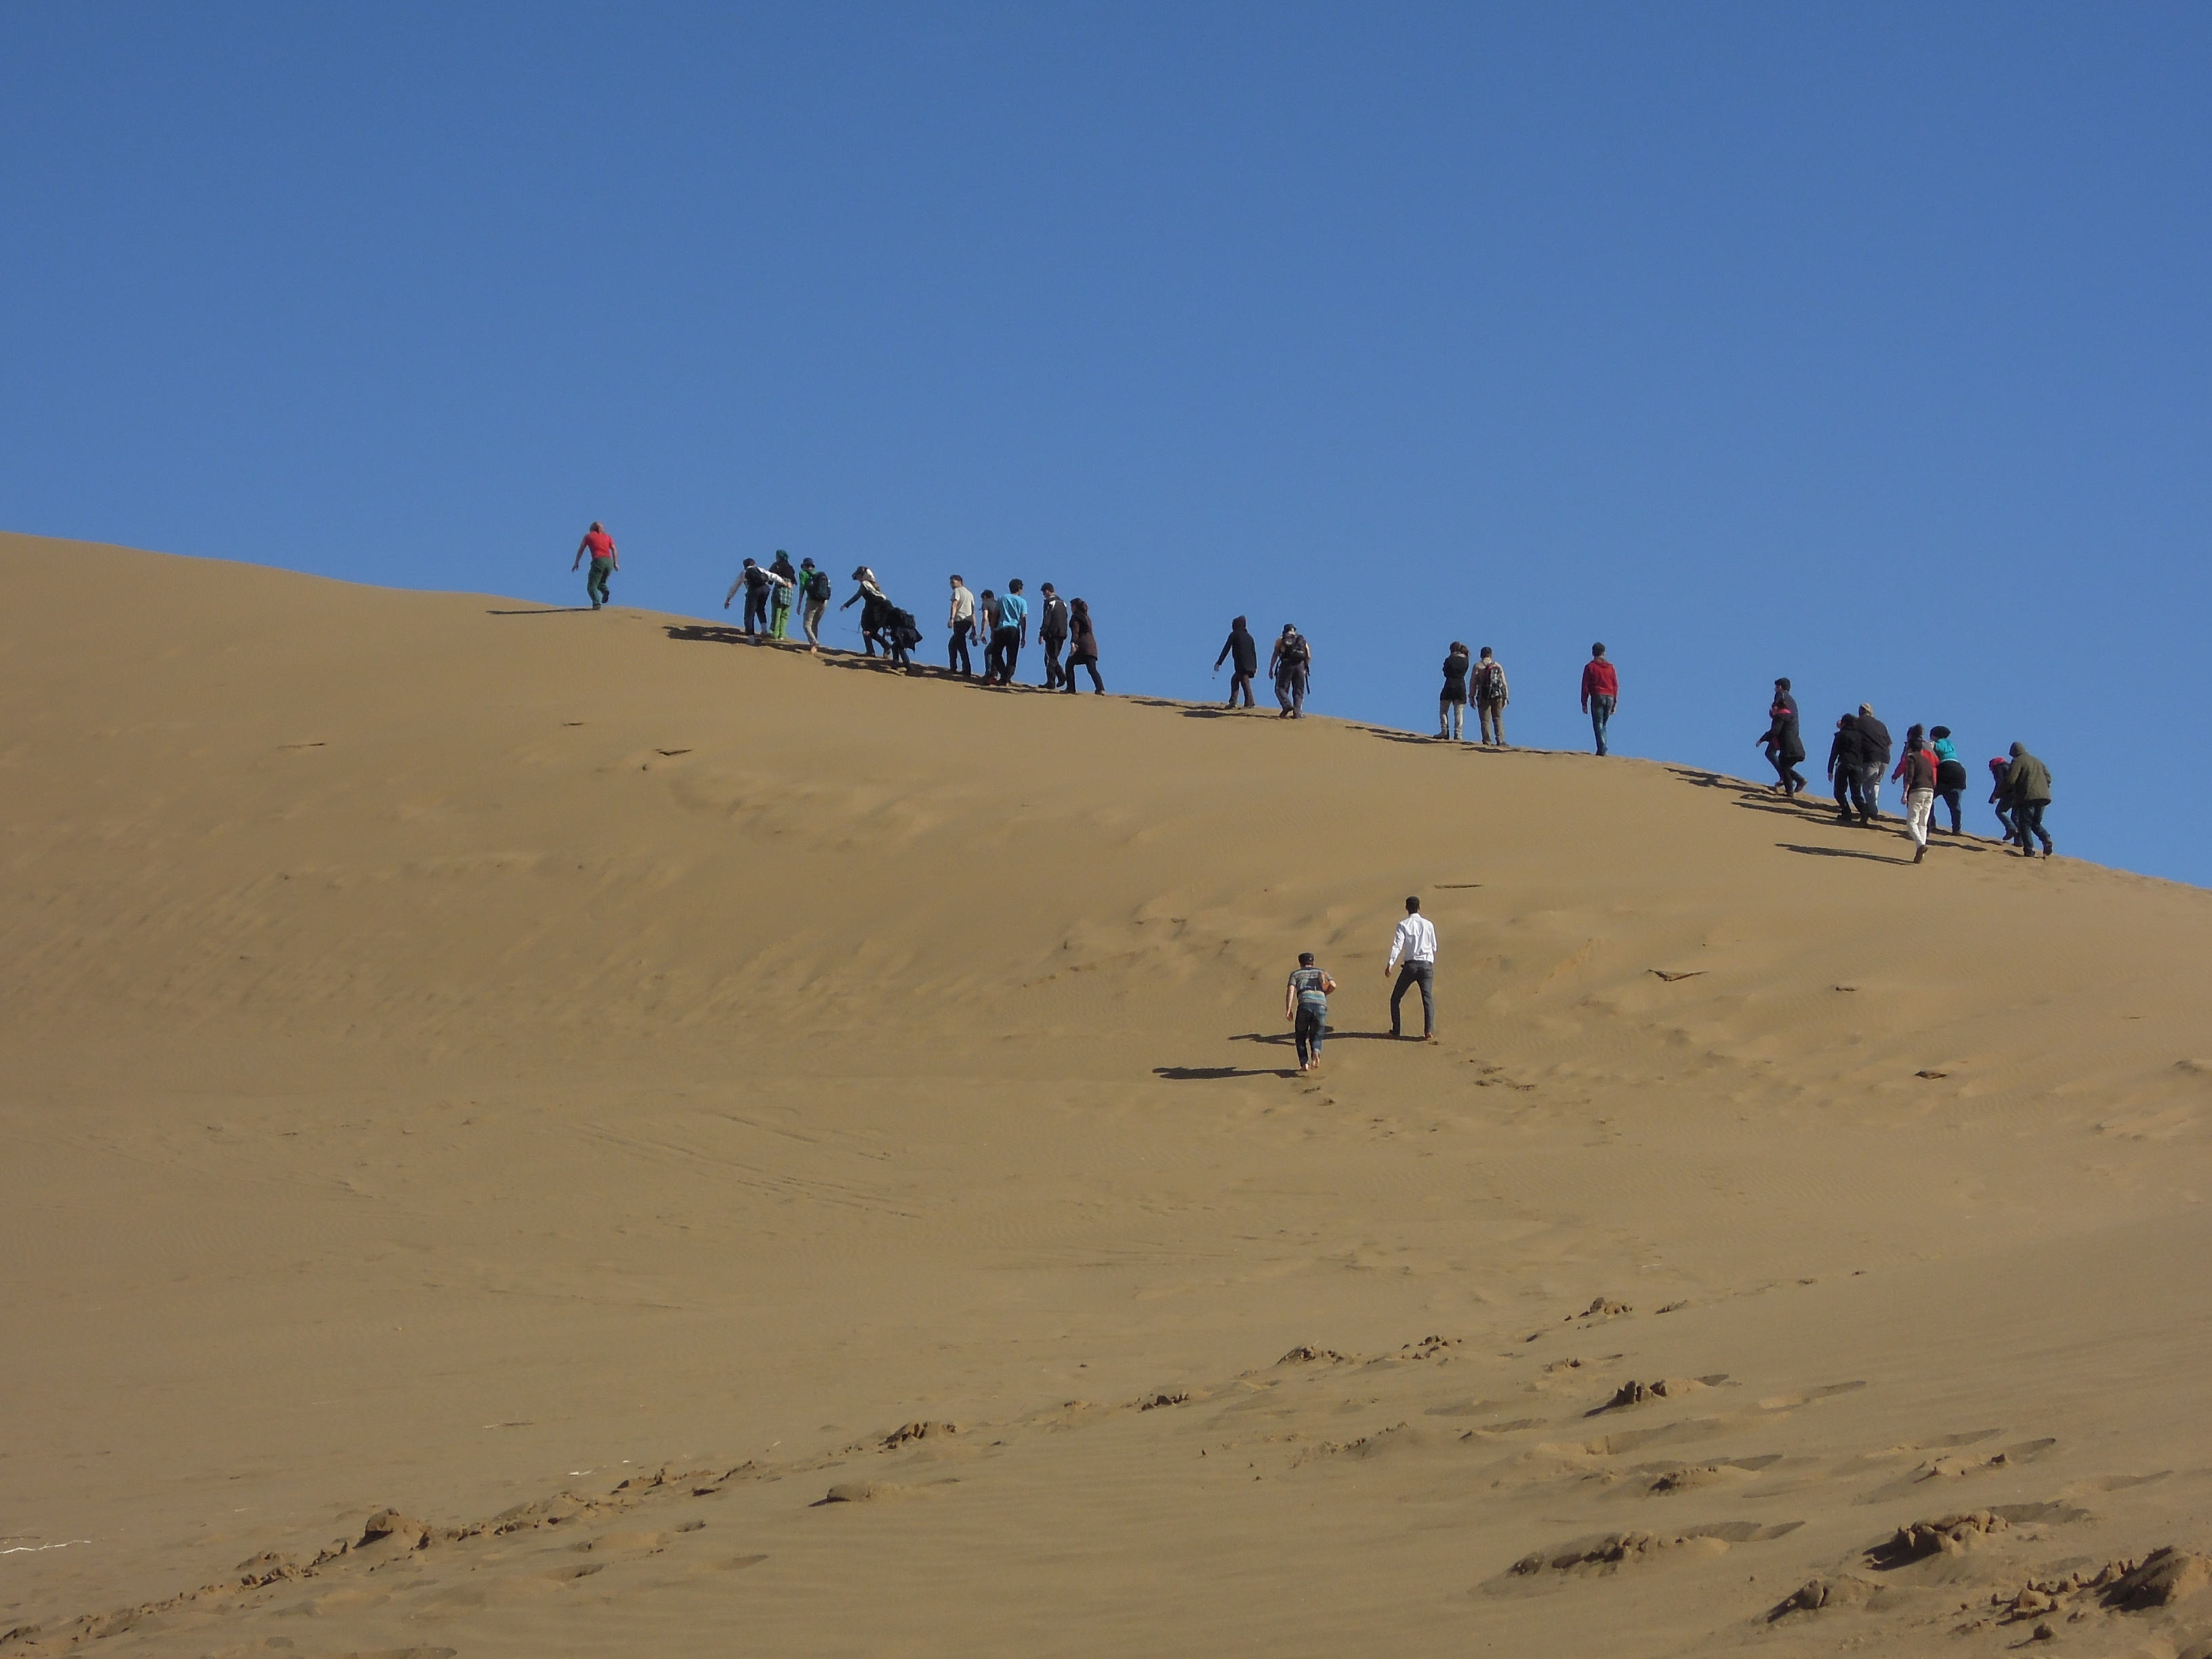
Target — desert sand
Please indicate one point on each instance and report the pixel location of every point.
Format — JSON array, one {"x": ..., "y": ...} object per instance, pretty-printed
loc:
[{"x": 535, "y": 1133}]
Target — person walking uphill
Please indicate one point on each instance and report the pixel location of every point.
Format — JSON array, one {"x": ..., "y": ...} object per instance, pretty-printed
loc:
[
  {"x": 875, "y": 610},
  {"x": 962, "y": 620},
  {"x": 1245, "y": 649},
  {"x": 1291, "y": 667},
  {"x": 1009, "y": 633},
  {"x": 1451, "y": 702},
  {"x": 1414, "y": 943},
  {"x": 1600, "y": 693},
  {"x": 1950, "y": 775},
  {"x": 1916, "y": 769},
  {"x": 1305, "y": 1004},
  {"x": 1847, "y": 767},
  {"x": 1082, "y": 649},
  {"x": 1052, "y": 633},
  {"x": 1491, "y": 696},
  {"x": 2027, "y": 792},
  {"x": 605, "y": 562},
  {"x": 814, "y": 600},
  {"x": 1785, "y": 744},
  {"x": 1874, "y": 761},
  {"x": 779, "y": 602},
  {"x": 758, "y": 581}
]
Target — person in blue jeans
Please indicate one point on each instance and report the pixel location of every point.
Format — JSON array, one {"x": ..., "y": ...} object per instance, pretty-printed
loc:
[
  {"x": 1600, "y": 693},
  {"x": 1305, "y": 1004}
]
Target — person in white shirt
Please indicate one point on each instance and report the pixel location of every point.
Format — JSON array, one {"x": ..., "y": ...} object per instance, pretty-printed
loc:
[
  {"x": 1413, "y": 956},
  {"x": 963, "y": 623}
]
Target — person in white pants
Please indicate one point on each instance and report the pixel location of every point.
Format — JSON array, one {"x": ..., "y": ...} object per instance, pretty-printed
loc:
[{"x": 1917, "y": 771}]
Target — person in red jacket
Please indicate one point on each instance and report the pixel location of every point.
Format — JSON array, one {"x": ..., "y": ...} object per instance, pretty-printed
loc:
[
  {"x": 1600, "y": 692},
  {"x": 1916, "y": 769}
]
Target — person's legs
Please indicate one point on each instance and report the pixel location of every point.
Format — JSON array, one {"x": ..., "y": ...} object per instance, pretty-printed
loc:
[
  {"x": 595, "y": 585},
  {"x": 755, "y": 614},
  {"x": 1308, "y": 1031},
  {"x": 811, "y": 620},
  {"x": 1052, "y": 672},
  {"x": 1950, "y": 798},
  {"x": 955, "y": 654},
  {"x": 1297, "y": 694},
  {"x": 1091, "y": 664},
  {"x": 1283, "y": 693},
  {"x": 1491, "y": 718},
  {"x": 2030, "y": 814},
  {"x": 1782, "y": 774},
  {"x": 1445, "y": 718},
  {"x": 1600, "y": 717},
  {"x": 1245, "y": 681},
  {"x": 1428, "y": 973},
  {"x": 1870, "y": 790},
  {"x": 1407, "y": 978},
  {"x": 1011, "y": 653},
  {"x": 779, "y": 627},
  {"x": 1796, "y": 782},
  {"x": 1918, "y": 805}
]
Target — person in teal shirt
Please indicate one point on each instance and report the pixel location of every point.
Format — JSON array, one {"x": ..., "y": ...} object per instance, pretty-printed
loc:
[{"x": 1950, "y": 775}]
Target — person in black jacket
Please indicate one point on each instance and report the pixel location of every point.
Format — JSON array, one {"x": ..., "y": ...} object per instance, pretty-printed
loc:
[
  {"x": 1784, "y": 745},
  {"x": 1847, "y": 766},
  {"x": 1082, "y": 649},
  {"x": 1052, "y": 633},
  {"x": 1245, "y": 649},
  {"x": 1873, "y": 756}
]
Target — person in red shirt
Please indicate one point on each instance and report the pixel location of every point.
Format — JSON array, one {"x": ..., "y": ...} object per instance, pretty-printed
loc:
[
  {"x": 1600, "y": 692},
  {"x": 605, "y": 562}
]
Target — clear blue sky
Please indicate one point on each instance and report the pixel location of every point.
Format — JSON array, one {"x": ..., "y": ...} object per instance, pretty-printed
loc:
[{"x": 1867, "y": 344}]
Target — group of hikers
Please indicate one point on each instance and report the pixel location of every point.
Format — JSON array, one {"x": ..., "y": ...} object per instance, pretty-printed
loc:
[
  {"x": 1858, "y": 756},
  {"x": 1930, "y": 769}
]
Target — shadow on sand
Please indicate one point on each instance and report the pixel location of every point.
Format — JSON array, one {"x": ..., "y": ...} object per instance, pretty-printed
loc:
[
  {"x": 1839, "y": 853},
  {"x": 544, "y": 611}
]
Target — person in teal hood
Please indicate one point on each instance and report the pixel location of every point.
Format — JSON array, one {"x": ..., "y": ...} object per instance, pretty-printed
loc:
[{"x": 1950, "y": 775}]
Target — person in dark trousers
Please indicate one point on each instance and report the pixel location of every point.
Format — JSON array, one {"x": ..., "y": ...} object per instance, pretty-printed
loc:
[
  {"x": 1082, "y": 649},
  {"x": 1290, "y": 665},
  {"x": 1847, "y": 765},
  {"x": 2001, "y": 798},
  {"x": 606, "y": 561},
  {"x": 1009, "y": 636},
  {"x": 1052, "y": 633},
  {"x": 1874, "y": 761},
  {"x": 1916, "y": 770},
  {"x": 759, "y": 581},
  {"x": 779, "y": 602},
  {"x": 2028, "y": 790},
  {"x": 1451, "y": 702},
  {"x": 875, "y": 610},
  {"x": 1245, "y": 650},
  {"x": 962, "y": 620},
  {"x": 1305, "y": 1004},
  {"x": 1950, "y": 774},
  {"x": 1600, "y": 693},
  {"x": 1414, "y": 944},
  {"x": 1784, "y": 743},
  {"x": 1489, "y": 691},
  {"x": 986, "y": 626}
]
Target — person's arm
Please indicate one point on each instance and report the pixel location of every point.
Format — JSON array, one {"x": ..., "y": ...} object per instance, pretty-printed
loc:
[
  {"x": 1586, "y": 688},
  {"x": 577, "y": 563},
  {"x": 1328, "y": 986},
  {"x": 853, "y": 598},
  {"x": 1226, "y": 650},
  {"x": 1290, "y": 999},
  {"x": 614, "y": 554},
  {"x": 732, "y": 593},
  {"x": 1397, "y": 947}
]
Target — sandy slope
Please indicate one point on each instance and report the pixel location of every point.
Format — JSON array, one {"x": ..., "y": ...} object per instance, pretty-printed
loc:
[{"x": 457, "y": 1055}]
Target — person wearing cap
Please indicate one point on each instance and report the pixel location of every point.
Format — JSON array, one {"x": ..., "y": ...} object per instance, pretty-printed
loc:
[
  {"x": 814, "y": 600},
  {"x": 1305, "y": 1004},
  {"x": 2027, "y": 789},
  {"x": 1290, "y": 665},
  {"x": 606, "y": 561}
]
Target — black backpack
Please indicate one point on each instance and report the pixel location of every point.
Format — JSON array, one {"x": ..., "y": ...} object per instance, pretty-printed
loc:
[
  {"x": 818, "y": 585},
  {"x": 1294, "y": 650},
  {"x": 903, "y": 628},
  {"x": 1490, "y": 682},
  {"x": 1054, "y": 623}
]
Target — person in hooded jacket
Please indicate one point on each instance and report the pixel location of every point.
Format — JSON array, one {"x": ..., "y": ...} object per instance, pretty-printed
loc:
[
  {"x": 1451, "y": 702},
  {"x": 1785, "y": 745},
  {"x": 1916, "y": 769},
  {"x": 1847, "y": 767},
  {"x": 1245, "y": 650},
  {"x": 2027, "y": 791},
  {"x": 1874, "y": 755},
  {"x": 780, "y": 601}
]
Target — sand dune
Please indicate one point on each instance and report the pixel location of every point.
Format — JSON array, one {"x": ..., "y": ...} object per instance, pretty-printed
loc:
[{"x": 659, "y": 1145}]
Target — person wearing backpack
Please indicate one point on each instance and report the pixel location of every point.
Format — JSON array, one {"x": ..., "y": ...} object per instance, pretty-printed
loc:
[
  {"x": 779, "y": 626},
  {"x": 1305, "y": 1004},
  {"x": 1245, "y": 649},
  {"x": 814, "y": 600},
  {"x": 1082, "y": 649},
  {"x": 2027, "y": 791},
  {"x": 1052, "y": 633},
  {"x": 1451, "y": 702},
  {"x": 1291, "y": 667},
  {"x": 1491, "y": 697},
  {"x": 1785, "y": 745},
  {"x": 758, "y": 581}
]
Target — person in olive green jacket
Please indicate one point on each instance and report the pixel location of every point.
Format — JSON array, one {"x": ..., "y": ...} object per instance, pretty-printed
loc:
[{"x": 2027, "y": 792}]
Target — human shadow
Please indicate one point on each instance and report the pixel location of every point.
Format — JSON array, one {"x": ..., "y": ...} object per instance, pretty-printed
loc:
[
  {"x": 542, "y": 611},
  {"x": 1334, "y": 1033},
  {"x": 1212, "y": 1073},
  {"x": 1838, "y": 852}
]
